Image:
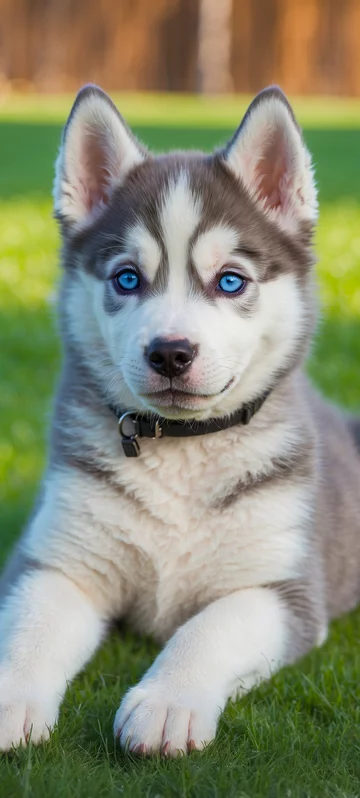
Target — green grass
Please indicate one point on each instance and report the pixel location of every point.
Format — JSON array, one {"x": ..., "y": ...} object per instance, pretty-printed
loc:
[
  {"x": 298, "y": 735},
  {"x": 183, "y": 110}
]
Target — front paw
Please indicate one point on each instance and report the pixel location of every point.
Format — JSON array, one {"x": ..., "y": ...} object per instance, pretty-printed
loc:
[
  {"x": 27, "y": 712},
  {"x": 155, "y": 717},
  {"x": 22, "y": 720}
]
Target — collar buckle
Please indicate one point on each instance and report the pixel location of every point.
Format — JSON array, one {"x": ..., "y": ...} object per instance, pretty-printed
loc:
[{"x": 129, "y": 431}]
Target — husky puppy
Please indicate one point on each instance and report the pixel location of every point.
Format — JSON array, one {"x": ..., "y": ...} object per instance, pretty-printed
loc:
[{"x": 225, "y": 518}]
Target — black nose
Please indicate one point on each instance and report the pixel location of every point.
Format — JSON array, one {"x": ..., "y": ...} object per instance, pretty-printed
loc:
[{"x": 170, "y": 358}]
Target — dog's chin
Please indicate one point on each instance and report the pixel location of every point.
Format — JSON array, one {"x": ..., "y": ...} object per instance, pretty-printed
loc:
[{"x": 176, "y": 404}]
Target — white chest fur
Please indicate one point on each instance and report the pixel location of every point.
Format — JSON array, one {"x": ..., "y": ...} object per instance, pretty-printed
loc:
[{"x": 162, "y": 527}]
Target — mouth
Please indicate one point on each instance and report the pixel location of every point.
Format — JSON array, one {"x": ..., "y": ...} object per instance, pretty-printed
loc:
[{"x": 184, "y": 400}]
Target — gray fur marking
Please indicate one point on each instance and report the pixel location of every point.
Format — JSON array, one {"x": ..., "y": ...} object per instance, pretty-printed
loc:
[{"x": 295, "y": 466}]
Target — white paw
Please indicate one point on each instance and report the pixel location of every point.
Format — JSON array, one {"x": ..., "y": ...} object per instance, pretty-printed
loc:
[
  {"x": 155, "y": 718},
  {"x": 22, "y": 720}
]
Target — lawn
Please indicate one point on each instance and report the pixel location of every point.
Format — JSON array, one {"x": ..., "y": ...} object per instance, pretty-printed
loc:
[{"x": 299, "y": 734}]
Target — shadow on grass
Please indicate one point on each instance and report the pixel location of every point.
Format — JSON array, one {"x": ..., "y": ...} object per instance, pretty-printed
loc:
[{"x": 31, "y": 150}]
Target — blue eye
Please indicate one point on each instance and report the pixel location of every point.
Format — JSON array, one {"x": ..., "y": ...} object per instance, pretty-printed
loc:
[
  {"x": 231, "y": 283},
  {"x": 128, "y": 280}
]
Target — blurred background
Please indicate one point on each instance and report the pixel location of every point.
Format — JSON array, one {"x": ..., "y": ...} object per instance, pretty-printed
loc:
[{"x": 309, "y": 46}]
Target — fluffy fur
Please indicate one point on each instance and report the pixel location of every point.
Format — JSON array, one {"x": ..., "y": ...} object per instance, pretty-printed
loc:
[{"x": 234, "y": 549}]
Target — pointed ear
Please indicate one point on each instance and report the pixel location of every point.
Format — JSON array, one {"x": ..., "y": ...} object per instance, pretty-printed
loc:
[
  {"x": 97, "y": 152},
  {"x": 268, "y": 155}
]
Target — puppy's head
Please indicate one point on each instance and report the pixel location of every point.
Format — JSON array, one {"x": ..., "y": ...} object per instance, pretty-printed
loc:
[{"x": 186, "y": 275}]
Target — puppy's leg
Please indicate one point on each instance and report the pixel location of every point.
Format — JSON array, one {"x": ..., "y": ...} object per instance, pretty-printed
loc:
[
  {"x": 48, "y": 631},
  {"x": 66, "y": 579},
  {"x": 235, "y": 642}
]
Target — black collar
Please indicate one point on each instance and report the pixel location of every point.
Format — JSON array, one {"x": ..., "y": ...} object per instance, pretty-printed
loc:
[{"x": 134, "y": 425}]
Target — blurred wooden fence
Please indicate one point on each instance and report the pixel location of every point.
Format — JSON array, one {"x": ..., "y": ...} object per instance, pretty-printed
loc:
[{"x": 308, "y": 46}]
